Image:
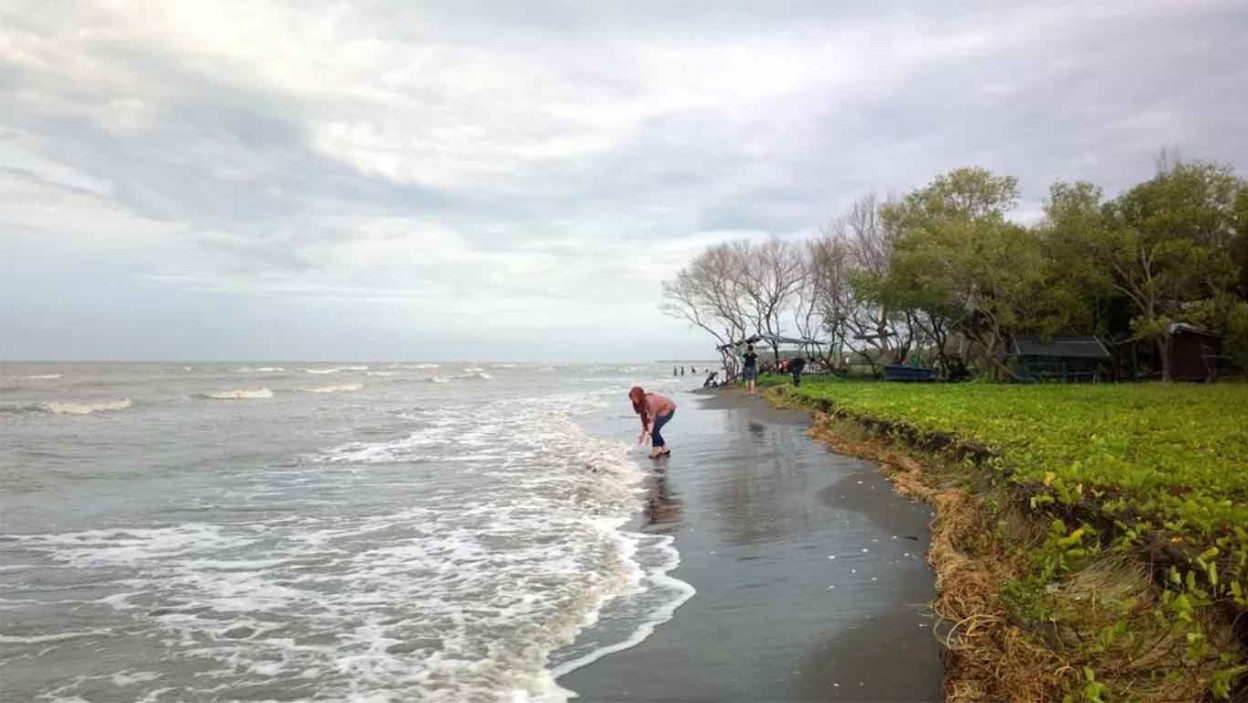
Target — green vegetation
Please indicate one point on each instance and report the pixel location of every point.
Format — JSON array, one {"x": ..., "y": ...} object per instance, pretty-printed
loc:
[
  {"x": 1153, "y": 473},
  {"x": 945, "y": 275}
]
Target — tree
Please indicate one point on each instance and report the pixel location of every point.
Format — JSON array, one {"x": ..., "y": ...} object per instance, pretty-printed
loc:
[
  {"x": 872, "y": 329},
  {"x": 772, "y": 276},
  {"x": 956, "y": 257},
  {"x": 825, "y": 301},
  {"x": 1171, "y": 246},
  {"x": 709, "y": 294},
  {"x": 1074, "y": 236}
]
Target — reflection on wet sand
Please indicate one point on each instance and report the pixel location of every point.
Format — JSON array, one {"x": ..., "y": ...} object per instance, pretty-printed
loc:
[
  {"x": 807, "y": 589},
  {"x": 662, "y": 506}
]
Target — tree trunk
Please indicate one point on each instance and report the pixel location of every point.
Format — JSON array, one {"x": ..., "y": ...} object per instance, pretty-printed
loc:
[{"x": 1163, "y": 352}]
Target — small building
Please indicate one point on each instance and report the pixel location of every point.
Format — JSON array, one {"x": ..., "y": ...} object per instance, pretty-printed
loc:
[
  {"x": 1195, "y": 354},
  {"x": 1066, "y": 358}
]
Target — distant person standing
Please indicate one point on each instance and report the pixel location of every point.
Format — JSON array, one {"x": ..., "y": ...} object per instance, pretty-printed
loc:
[
  {"x": 750, "y": 371},
  {"x": 796, "y": 366},
  {"x": 655, "y": 412},
  {"x": 674, "y": 371}
]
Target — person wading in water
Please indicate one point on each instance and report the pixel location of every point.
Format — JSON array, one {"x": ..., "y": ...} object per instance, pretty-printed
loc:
[{"x": 655, "y": 411}]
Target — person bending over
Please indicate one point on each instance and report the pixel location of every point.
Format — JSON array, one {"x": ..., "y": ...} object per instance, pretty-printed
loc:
[
  {"x": 655, "y": 411},
  {"x": 796, "y": 366}
]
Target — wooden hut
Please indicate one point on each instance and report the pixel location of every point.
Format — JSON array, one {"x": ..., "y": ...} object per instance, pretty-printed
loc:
[
  {"x": 1194, "y": 353},
  {"x": 1066, "y": 358}
]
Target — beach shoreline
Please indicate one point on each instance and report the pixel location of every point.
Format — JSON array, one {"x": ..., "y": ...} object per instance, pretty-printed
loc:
[{"x": 809, "y": 570}]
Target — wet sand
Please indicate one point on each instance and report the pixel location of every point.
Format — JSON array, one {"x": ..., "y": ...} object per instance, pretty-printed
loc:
[{"x": 810, "y": 573}]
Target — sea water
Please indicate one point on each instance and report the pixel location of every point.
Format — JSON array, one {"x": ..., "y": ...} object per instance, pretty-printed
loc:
[{"x": 283, "y": 531}]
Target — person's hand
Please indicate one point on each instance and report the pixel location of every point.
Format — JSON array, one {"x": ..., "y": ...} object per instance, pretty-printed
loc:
[{"x": 641, "y": 438}]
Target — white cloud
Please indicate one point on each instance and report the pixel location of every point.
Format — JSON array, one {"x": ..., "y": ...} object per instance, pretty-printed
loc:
[{"x": 545, "y": 166}]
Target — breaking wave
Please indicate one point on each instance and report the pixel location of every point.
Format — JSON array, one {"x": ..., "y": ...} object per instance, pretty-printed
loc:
[
  {"x": 42, "y": 377},
  {"x": 331, "y": 369},
  {"x": 344, "y": 388},
  {"x": 73, "y": 408},
  {"x": 242, "y": 394}
]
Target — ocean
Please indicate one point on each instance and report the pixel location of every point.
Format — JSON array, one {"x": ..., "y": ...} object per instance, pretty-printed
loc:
[{"x": 356, "y": 531}]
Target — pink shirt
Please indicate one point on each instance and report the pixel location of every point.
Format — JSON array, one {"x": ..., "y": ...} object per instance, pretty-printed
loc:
[{"x": 657, "y": 406}]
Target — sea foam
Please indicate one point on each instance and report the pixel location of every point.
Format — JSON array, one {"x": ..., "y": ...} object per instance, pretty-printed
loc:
[
  {"x": 344, "y": 388},
  {"x": 78, "y": 408},
  {"x": 241, "y": 394}
]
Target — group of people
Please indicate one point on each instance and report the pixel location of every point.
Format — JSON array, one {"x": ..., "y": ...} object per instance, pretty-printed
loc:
[{"x": 657, "y": 410}]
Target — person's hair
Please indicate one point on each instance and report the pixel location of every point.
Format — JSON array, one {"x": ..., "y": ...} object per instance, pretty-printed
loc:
[
  {"x": 749, "y": 347},
  {"x": 638, "y": 396}
]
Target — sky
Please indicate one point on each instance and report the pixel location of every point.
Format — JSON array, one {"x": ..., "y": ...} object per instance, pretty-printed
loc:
[{"x": 513, "y": 181}]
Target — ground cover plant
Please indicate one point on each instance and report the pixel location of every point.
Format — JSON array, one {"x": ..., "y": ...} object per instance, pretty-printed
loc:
[{"x": 1137, "y": 500}]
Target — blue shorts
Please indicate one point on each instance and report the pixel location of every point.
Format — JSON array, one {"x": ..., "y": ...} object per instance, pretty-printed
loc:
[{"x": 750, "y": 373}]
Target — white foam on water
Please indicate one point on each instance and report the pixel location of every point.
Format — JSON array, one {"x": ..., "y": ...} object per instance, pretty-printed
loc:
[
  {"x": 381, "y": 373},
  {"x": 344, "y": 388},
  {"x": 54, "y": 637},
  {"x": 656, "y": 577},
  {"x": 81, "y": 408},
  {"x": 126, "y": 678},
  {"x": 425, "y": 365},
  {"x": 261, "y": 369},
  {"x": 42, "y": 377},
  {"x": 445, "y": 565},
  {"x": 240, "y": 394},
  {"x": 437, "y": 379}
]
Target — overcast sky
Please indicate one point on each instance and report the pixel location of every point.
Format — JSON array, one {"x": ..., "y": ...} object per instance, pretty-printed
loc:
[{"x": 513, "y": 180}]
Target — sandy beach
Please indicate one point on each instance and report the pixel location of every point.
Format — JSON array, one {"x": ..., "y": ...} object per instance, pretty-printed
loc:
[{"x": 810, "y": 577}]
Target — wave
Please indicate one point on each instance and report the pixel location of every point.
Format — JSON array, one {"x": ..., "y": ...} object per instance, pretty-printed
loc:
[
  {"x": 415, "y": 366},
  {"x": 514, "y": 522},
  {"x": 42, "y": 377},
  {"x": 381, "y": 373},
  {"x": 261, "y": 369},
  {"x": 332, "y": 369},
  {"x": 345, "y": 388},
  {"x": 57, "y": 637},
  {"x": 474, "y": 375},
  {"x": 76, "y": 408},
  {"x": 569, "y": 519},
  {"x": 242, "y": 394},
  {"x": 437, "y": 379}
]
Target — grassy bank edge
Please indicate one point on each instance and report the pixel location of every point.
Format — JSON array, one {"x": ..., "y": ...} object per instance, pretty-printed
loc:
[{"x": 1027, "y": 613}]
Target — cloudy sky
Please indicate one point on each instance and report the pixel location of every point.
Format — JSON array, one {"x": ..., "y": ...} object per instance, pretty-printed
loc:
[{"x": 512, "y": 180}]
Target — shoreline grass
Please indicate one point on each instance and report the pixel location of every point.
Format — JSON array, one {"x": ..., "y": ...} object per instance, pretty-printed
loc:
[{"x": 1139, "y": 491}]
